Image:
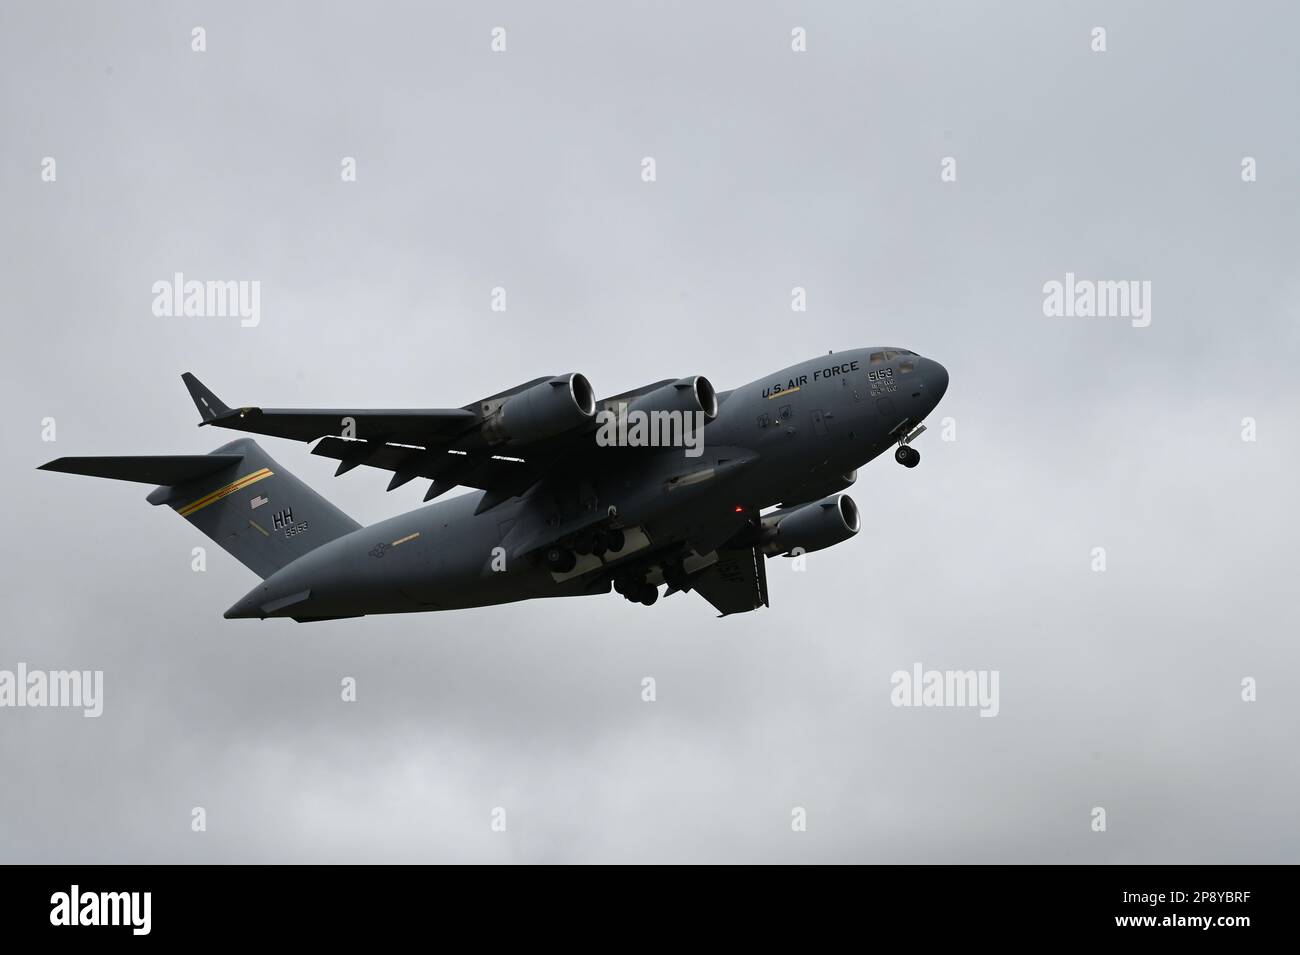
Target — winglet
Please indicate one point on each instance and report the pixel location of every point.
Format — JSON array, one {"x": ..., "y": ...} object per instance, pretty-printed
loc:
[{"x": 209, "y": 405}]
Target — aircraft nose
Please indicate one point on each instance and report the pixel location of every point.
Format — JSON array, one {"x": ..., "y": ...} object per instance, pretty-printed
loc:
[{"x": 935, "y": 377}]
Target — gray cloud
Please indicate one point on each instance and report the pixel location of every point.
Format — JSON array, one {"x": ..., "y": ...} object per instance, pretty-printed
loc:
[{"x": 775, "y": 170}]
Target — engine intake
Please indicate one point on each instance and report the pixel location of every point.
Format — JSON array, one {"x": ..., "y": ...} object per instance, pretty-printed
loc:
[
  {"x": 811, "y": 527},
  {"x": 687, "y": 395},
  {"x": 542, "y": 411}
]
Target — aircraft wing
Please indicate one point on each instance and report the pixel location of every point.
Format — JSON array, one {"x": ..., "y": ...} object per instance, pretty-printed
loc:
[
  {"x": 448, "y": 446},
  {"x": 737, "y": 583},
  {"x": 308, "y": 425},
  {"x": 303, "y": 424}
]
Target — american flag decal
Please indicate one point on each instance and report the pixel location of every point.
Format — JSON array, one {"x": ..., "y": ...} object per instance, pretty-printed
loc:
[{"x": 258, "y": 501}]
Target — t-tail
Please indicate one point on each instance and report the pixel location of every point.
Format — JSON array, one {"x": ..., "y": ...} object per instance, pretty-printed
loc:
[{"x": 236, "y": 495}]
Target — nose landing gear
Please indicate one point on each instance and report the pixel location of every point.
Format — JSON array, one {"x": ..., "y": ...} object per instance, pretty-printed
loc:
[{"x": 906, "y": 455}]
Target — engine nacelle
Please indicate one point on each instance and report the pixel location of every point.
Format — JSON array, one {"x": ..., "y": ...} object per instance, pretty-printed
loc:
[
  {"x": 546, "y": 409},
  {"x": 811, "y": 527},
  {"x": 687, "y": 395}
]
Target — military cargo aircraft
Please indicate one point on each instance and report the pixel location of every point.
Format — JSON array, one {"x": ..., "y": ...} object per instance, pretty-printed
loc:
[{"x": 671, "y": 485}]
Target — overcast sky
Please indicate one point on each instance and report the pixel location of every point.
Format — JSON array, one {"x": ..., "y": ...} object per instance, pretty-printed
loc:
[{"x": 775, "y": 169}]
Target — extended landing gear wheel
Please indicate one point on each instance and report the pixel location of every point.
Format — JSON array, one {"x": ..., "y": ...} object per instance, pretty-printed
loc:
[
  {"x": 637, "y": 591},
  {"x": 614, "y": 540},
  {"x": 559, "y": 560},
  {"x": 907, "y": 456}
]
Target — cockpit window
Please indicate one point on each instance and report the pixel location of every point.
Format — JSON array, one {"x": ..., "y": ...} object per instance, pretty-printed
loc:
[
  {"x": 906, "y": 365},
  {"x": 877, "y": 357},
  {"x": 890, "y": 355}
]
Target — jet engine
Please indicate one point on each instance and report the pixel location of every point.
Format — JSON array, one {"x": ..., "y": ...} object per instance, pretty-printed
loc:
[
  {"x": 687, "y": 395},
  {"x": 810, "y": 527},
  {"x": 546, "y": 409}
]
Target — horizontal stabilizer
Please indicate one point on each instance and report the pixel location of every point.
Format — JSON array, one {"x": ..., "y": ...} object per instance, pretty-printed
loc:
[{"x": 165, "y": 469}]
